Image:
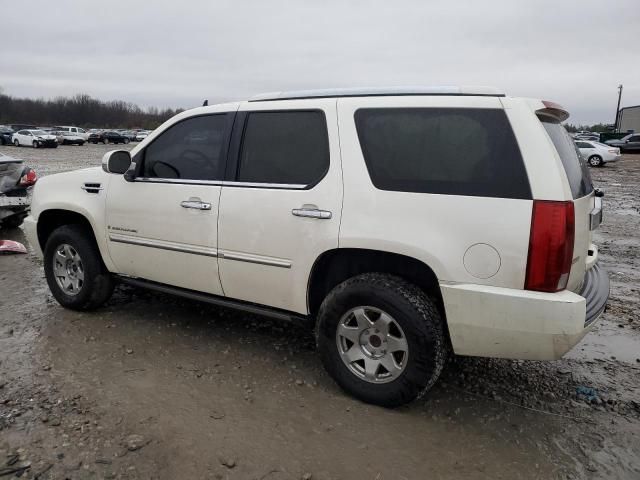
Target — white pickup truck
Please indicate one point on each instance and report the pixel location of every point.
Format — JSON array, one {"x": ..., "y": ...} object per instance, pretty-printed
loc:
[{"x": 405, "y": 223}]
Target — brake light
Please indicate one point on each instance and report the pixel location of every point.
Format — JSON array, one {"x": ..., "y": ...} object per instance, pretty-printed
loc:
[
  {"x": 550, "y": 246},
  {"x": 28, "y": 178}
]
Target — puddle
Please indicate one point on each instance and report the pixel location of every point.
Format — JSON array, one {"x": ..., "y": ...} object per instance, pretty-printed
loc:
[
  {"x": 626, "y": 211},
  {"x": 606, "y": 342}
]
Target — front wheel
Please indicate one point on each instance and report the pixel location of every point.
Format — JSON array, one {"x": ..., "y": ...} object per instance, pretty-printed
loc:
[
  {"x": 105, "y": 141},
  {"x": 126, "y": 140},
  {"x": 35, "y": 144},
  {"x": 74, "y": 270},
  {"x": 381, "y": 339},
  {"x": 16, "y": 143},
  {"x": 595, "y": 161}
]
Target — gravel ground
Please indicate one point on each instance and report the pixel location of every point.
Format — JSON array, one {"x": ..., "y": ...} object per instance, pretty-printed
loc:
[{"x": 152, "y": 386}]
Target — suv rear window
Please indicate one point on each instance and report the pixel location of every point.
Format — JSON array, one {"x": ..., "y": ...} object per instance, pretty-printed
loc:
[
  {"x": 574, "y": 165},
  {"x": 455, "y": 151}
]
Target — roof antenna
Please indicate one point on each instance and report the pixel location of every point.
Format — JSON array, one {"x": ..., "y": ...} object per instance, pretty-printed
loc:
[{"x": 206, "y": 103}]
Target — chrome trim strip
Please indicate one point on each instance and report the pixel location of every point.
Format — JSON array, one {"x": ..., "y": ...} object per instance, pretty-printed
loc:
[
  {"x": 258, "y": 259},
  {"x": 178, "y": 181},
  {"x": 226, "y": 183},
  {"x": 291, "y": 186},
  {"x": 163, "y": 245}
]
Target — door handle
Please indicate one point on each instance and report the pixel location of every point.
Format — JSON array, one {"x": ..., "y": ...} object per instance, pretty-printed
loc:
[
  {"x": 312, "y": 213},
  {"x": 198, "y": 205}
]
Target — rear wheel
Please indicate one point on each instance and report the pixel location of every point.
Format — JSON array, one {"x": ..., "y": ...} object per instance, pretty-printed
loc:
[
  {"x": 105, "y": 141},
  {"x": 595, "y": 161},
  {"x": 16, "y": 143},
  {"x": 126, "y": 140},
  {"x": 74, "y": 270},
  {"x": 381, "y": 339}
]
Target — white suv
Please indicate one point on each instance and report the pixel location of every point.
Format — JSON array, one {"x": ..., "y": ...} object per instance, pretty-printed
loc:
[{"x": 405, "y": 223}]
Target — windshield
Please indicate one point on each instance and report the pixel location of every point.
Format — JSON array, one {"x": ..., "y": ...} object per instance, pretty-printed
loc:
[{"x": 574, "y": 165}]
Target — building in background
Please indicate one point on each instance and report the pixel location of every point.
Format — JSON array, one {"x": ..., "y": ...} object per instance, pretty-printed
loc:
[{"x": 629, "y": 119}]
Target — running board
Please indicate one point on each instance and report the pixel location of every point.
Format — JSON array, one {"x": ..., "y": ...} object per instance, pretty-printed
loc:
[{"x": 216, "y": 300}]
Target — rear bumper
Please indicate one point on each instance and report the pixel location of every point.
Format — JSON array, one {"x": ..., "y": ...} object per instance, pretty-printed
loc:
[
  {"x": 508, "y": 323},
  {"x": 595, "y": 290}
]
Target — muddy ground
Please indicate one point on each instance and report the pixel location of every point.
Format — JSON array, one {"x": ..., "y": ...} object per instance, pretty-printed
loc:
[{"x": 153, "y": 386}]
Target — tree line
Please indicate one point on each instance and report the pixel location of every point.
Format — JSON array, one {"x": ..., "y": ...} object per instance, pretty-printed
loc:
[
  {"x": 81, "y": 110},
  {"x": 598, "y": 128}
]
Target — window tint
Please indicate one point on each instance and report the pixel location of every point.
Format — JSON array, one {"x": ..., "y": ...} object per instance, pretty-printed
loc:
[
  {"x": 635, "y": 138},
  {"x": 191, "y": 150},
  {"x": 574, "y": 165},
  {"x": 584, "y": 145},
  {"x": 457, "y": 151},
  {"x": 288, "y": 147}
]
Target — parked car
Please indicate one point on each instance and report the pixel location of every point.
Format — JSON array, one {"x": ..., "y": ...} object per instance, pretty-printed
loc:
[
  {"x": 34, "y": 138},
  {"x": 130, "y": 134},
  {"x": 20, "y": 126},
  {"x": 596, "y": 153},
  {"x": 630, "y": 143},
  {"x": 141, "y": 135},
  {"x": 69, "y": 138},
  {"x": 6, "y": 134},
  {"x": 107, "y": 137},
  {"x": 387, "y": 234},
  {"x": 16, "y": 179},
  {"x": 589, "y": 137},
  {"x": 79, "y": 132}
]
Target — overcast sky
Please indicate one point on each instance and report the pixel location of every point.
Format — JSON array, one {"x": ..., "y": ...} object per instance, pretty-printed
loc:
[{"x": 177, "y": 53}]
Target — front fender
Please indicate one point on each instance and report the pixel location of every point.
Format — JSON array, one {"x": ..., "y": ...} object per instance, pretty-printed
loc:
[{"x": 64, "y": 192}]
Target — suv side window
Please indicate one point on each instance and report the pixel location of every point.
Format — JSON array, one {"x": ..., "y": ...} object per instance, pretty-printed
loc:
[
  {"x": 191, "y": 149},
  {"x": 454, "y": 151},
  {"x": 284, "y": 147}
]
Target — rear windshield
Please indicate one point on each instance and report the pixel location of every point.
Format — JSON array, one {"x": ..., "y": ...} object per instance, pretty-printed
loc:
[
  {"x": 574, "y": 165},
  {"x": 451, "y": 151}
]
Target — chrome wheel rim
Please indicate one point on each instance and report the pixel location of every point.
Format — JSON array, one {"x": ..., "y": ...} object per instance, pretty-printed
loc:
[
  {"x": 594, "y": 161},
  {"x": 68, "y": 269},
  {"x": 372, "y": 344}
]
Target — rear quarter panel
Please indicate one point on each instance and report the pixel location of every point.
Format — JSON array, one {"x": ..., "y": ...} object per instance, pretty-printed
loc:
[{"x": 436, "y": 229}]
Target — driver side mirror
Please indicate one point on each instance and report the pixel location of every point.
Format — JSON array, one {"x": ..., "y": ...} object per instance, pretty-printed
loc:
[{"x": 116, "y": 161}]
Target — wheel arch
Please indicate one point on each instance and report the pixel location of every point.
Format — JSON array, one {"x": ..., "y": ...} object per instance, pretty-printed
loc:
[
  {"x": 337, "y": 265},
  {"x": 50, "y": 219}
]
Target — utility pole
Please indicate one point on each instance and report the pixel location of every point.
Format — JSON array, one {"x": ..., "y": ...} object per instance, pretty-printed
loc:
[{"x": 615, "y": 123}]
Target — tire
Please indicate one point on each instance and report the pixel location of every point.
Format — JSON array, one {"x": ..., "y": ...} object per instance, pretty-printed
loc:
[
  {"x": 97, "y": 284},
  {"x": 35, "y": 144},
  {"x": 16, "y": 143},
  {"x": 415, "y": 318},
  {"x": 126, "y": 140},
  {"x": 595, "y": 161},
  {"x": 80, "y": 144},
  {"x": 105, "y": 141}
]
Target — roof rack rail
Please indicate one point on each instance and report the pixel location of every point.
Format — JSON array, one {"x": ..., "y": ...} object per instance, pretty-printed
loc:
[{"x": 378, "y": 92}]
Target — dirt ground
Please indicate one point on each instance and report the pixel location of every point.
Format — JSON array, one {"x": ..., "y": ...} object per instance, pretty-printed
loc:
[{"x": 152, "y": 386}]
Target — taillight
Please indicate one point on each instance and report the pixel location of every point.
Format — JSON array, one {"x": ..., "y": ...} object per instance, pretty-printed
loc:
[
  {"x": 28, "y": 178},
  {"x": 550, "y": 246}
]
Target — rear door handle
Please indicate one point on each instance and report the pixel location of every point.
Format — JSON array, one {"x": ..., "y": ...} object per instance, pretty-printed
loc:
[
  {"x": 198, "y": 205},
  {"x": 312, "y": 213}
]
